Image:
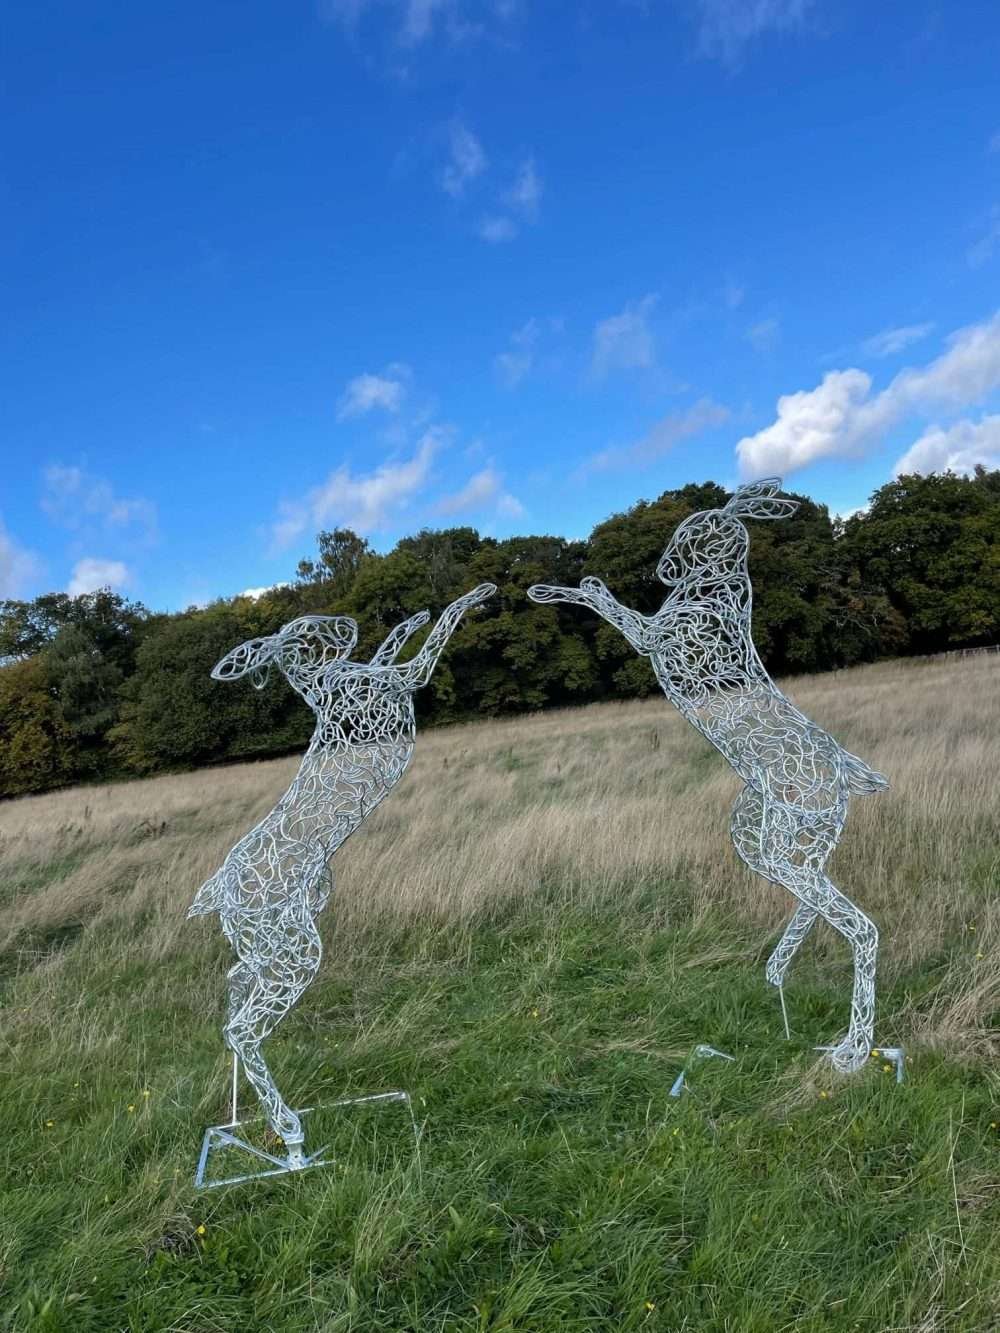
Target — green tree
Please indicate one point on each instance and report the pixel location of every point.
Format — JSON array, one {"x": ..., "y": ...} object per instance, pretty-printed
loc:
[
  {"x": 35, "y": 745},
  {"x": 341, "y": 555},
  {"x": 933, "y": 544},
  {"x": 175, "y": 715},
  {"x": 113, "y": 624}
]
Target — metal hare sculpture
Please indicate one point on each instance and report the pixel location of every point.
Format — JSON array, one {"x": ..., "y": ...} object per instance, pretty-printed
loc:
[
  {"x": 276, "y": 880},
  {"x": 798, "y": 780}
]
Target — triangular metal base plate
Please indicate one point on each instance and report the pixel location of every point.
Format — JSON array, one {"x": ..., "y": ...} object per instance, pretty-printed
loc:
[
  {"x": 229, "y": 1146},
  {"x": 224, "y": 1144}
]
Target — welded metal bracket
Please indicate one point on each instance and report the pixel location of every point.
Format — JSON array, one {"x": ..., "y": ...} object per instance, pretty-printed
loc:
[
  {"x": 700, "y": 1052},
  {"x": 218, "y": 1137}
]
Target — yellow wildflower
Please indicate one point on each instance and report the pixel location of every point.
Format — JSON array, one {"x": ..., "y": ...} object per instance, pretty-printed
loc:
[
  {"x": 145, "y": 1092},
  {"x": 887, "y": 1069},
  {"x": 650, "y": 1305},
  {"x": 131, "y": 1108},
  {"x": 49, "y": 1124},
  {"x": 200, "y": 1229}
]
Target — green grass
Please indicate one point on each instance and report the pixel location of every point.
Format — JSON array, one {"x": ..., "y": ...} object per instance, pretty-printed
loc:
[{"x": 556, "y": 1186}]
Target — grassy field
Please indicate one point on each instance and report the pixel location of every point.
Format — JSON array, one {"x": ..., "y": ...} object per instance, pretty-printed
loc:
[{"x": 530, "y": 935}]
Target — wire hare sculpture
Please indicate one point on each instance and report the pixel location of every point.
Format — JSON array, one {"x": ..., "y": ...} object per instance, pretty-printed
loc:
[
  {"x": 798, "y": 779},
  {"x": 274, "y": 883}
]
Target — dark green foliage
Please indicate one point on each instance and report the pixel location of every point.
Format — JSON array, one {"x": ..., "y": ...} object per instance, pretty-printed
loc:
[
  {"x": 114, "y": 689},
  {"x": 933, "y": 544},
  {"x": 35, "y": 745},
  {"x": 342, "y": 554},
  {"x": 174, "y": 714}
]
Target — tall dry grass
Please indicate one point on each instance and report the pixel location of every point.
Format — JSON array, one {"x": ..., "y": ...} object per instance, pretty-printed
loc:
[{"x": 619, "y": 803}]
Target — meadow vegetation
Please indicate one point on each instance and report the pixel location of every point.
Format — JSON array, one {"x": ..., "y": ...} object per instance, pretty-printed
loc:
[{"x": 530, "y": 935}]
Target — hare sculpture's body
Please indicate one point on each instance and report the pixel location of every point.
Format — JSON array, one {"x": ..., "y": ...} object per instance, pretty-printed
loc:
[
  {"x": 275, "y": 881},
  {"x": 791, "y": 812}
]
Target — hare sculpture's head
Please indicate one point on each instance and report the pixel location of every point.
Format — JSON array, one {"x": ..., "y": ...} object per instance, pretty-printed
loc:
[
  {"x": 299, "y": 650},
  {"x": 708, "y": 544}
]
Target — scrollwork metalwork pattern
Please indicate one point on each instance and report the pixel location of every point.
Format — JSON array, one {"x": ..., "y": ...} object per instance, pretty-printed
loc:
[
  {"x": 275, "y": 881},
  {"x": 798, "y": 779}
]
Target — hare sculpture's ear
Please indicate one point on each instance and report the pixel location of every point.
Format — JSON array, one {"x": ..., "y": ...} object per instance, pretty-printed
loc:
[{"x": 760, "y": 499}]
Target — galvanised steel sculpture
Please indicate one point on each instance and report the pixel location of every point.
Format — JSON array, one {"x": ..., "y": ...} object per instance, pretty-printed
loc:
[
  {"x": 791, "y": 812},
  {"x": 276, "y": 880}
]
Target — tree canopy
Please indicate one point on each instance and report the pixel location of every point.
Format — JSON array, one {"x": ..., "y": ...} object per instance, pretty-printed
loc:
[{"x": 97, "y": 686}]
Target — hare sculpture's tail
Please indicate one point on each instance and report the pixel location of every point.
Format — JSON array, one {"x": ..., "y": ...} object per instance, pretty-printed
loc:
[{"x": 861, "y": 779}]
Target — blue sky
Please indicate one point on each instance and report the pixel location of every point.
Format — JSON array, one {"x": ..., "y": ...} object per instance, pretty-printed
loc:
[{"x": 402, "y": 263}]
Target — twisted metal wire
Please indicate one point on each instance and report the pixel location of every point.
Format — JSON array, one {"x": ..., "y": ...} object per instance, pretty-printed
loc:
[
  {"x": 274, "y": 883},
  {"x": 791, "y": 812}
]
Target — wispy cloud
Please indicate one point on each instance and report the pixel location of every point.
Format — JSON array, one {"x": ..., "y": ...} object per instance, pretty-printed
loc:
[
  {"x": 367, "y": 392},
  {"x": 516, "y": 362},
  {"x": 764, "y": 335},
  {"x": 892, "y": 341},
  {"x": 525, "y": 195},
  {"x": 495, "y": 229},
  {"x": 466, "y": 160},
  {"x": 522, "y": 201},
  {"x": 728, "y": 27},
  {"x": 659, "y": 439},
  {"x": 366, "y": 503},
  {"x": 482, "y": 491},
  {"x": 842, "y": 418},
  {"x": 960, "y": 448},
  {"x": 985, "y": 247},
  {"x": 625, "y": 341},
  {"x": 77, "y": 500},
  {"x": 994, "y": 144},
  {"x": 92, "y": 573},
  {"x": 18, "y": 565},
  {"x": 414, "y": 22}
]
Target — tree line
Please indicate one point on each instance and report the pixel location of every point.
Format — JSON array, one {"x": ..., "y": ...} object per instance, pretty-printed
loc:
[{"x": 98, "y": 687}]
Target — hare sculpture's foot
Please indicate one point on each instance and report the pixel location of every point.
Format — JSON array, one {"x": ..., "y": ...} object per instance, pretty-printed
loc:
[{"x": 851, "y": 1054}]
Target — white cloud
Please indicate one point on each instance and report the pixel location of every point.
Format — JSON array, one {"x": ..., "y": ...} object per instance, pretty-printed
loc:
[
  {"x": 670, "y": 430},
  {"x": 467, "y": 160},
  {"x": 366, "y": 392},
  {"x": 92, "y": 573},
  {"x": 514, "y": 364},
  {"x": 983, "y": 250},
  {"x": 957, "y": 448},
  {"x": 18, "y": 565},
  {"x": 525, "y": 194},
  {"x": 841, "y": 418},
  {"x": 891, "y": 341},
  {"x": 367, "y": 503},
  {"x": 497, "y": 229},
  {"x": 75, "y": 499},
  {"x": 763, "y": 336},
  {"x": 729, "y": 26},
  {"x": 413, "y": 22},
  {"x": 510, "y": 506},
  {"x": 625, "y": 341},
  {"x": 481, "y": 491},
  {"x": 255, "y": 594},
  {"x": 418, "y": 19}
]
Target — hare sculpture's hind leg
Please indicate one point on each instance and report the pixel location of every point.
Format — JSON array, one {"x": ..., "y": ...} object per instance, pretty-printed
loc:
[
  {"x": 790, "y": 847},
  {"x": 280, "y": 962}
]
